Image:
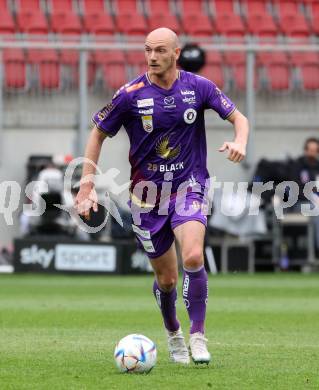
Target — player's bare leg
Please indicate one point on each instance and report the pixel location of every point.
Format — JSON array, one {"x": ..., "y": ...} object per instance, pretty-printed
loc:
[
  {"x": 166, "y": 275},
  {"x": 190, "y": 236}
]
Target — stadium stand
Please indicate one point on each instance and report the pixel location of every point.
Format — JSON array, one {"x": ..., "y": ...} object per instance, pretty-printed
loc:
[
  {"x": 307, "y": 67},
  {"x": 227, "y": 21},
  {"x": 96, "y": 19},
  {"x": 15, "y": 69},
  {"x": 258, "y": 20},
  {"x": 291, "y": 20},
  {"x": 113, "y": 68},
  {"x": 30, "y": 17},
  {"x": 194, "y": 19},
  {"x": 213, "y": 68},
  {"x": 63, "y": 17},
  {"x": 7, "y": 25},
  {"x": 46, "y": 66},
  {"x": 276, "y": 70},
  {"x": 160, "y": 13},
  {"x": 313, "y": 11},
  {"x": 120, "y": 20},
  {"x": 129, "y": 18}
]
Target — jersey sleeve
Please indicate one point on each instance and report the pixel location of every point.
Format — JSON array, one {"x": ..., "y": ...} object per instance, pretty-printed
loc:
[
  {"x": 214, "y": 98},
  {"x": 111, "y": 117}
]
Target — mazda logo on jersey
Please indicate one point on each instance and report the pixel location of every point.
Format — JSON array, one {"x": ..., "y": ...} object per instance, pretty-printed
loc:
[
  {"x": 190, "y": 115},
  {"x": 169, "y": 100}
]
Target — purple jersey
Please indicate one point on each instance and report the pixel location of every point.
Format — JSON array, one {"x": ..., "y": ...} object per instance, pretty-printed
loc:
[{"x": 166, "y": 128}]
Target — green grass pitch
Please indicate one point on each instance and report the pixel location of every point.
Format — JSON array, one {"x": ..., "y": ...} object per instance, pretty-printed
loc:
[{"x": 59, "y": 332}]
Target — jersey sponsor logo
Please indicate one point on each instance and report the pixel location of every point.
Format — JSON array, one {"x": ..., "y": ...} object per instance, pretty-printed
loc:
[
  {"x": 188, "y": 92},
  {"x": 147, "y": 121},
  {"x": 224, "y": 102},
  {"x": 171, "y": 167},
  {"x": 146, "y": 112},
  {"x": 189, "y": 100},
  {"x": 165, "y": 151},
  {"x": 143, "y": 233},
  {"x": 190, "y": 115},
  {"x": 145, "y": 102},
  {"x": 169, "y": 102},
  {"x": 134, "y": 87},
  {"x": 105, "y": 111}
]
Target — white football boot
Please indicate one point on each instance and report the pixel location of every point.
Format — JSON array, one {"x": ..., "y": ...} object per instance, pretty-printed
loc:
[
  {"x": 177, "y": 348},
  {"x": 198, "y": 348}
]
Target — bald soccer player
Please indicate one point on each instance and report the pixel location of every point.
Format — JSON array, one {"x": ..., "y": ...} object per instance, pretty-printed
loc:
[{"x": 162, "y": 112}]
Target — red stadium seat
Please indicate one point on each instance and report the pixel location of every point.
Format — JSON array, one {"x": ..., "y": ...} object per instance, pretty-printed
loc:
[
  {"x": 95, "y": 18},
  {"x": 64, "y": 20},
  {"x": 292, "y": 22},
  {"x": 26, "y": 5},
  {"x": 237, "y": 64},
  {"x": 128, "y": 18},
  {"x": 47, "y": 63},
  {"x": 32, "y": 22},
  {"x": 223, "y": 6},
  {"x": 213, "y": 68},
  {"x": 195, "y": 22},
  {"x": 60, "y": 6},
  {"x": 227, "y": 22},
  {"x": 137, "y": 60},
  {"x": 276, "y": 70},
  {"x": 6, "y": 22},
  {"x": 30, "y": 17},
  {"x": 308, "y": 65},
  {"x": 230, "y": 25},
  {"x": 314, "y": 20},
  {"x": 109, "y": 56},
  {"x": 65, "y": 23},
  {"x": 15, "y": 69},
  {"x": 259, "y": 21},
  {"x": 112, "y": 63},
  {"x": 159, "y": 14}
]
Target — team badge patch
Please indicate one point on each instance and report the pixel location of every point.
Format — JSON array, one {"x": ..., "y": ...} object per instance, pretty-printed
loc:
[
  {"x": 190, "y": 115},
  {"x": 147, "y": 121}
]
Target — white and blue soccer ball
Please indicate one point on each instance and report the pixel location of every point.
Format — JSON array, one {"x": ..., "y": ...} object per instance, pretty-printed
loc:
[{"x": 135, "y": 353}]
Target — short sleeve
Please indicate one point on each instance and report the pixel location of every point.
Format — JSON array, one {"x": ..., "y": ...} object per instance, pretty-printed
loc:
[
  {"x": 111, "y": 117},
  {"x": 214, "y": 98}
]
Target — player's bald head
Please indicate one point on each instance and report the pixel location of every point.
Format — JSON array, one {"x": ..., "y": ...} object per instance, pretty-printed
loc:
[{"x": 163, "y": 35}]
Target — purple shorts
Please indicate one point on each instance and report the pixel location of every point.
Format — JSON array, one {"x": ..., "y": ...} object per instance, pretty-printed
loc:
[{"x": 154, "y": 232}]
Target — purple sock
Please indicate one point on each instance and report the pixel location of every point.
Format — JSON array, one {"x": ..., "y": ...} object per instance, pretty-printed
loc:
[
  {"x": 166, "y": 302},
  {"x": 195, "y": 294}
]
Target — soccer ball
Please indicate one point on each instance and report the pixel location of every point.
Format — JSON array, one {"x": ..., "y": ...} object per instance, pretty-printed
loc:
[{"x": 135, "y": 353}]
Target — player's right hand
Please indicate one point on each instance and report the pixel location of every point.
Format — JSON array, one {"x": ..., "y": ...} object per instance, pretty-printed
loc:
[{"x": 86, "y": 200}]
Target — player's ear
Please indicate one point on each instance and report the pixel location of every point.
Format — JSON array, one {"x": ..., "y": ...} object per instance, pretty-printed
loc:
[{"x": 177, "y": 52}]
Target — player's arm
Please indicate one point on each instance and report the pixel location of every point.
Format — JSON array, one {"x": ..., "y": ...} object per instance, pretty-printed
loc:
[
  {"x": 108, "y": 122},
  {"x": 87, "y": 197},
  {"x": 237, "y": 148}
]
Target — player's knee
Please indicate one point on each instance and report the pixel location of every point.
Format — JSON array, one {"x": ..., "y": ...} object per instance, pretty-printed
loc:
[
  {"x": 193, "y": 258},
  {"x": 166, "y": 282}
]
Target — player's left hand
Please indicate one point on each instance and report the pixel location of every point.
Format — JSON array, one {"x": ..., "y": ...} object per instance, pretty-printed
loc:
[{"x": 236, "y": 151}]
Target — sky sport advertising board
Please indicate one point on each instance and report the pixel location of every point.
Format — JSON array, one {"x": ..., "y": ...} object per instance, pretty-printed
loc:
[{"x": 52, "y": 256}]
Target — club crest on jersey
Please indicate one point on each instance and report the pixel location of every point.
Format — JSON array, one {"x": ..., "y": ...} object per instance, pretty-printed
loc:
[
  {"x": 165, "y": 151},
  {"x": 147, "y": 121},
  {"x": 190, "y": 115}
]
